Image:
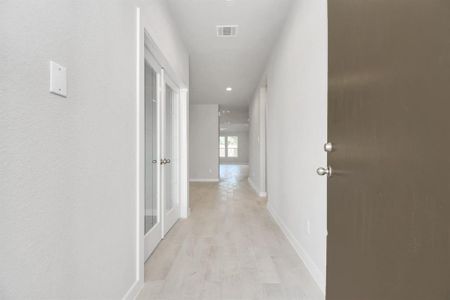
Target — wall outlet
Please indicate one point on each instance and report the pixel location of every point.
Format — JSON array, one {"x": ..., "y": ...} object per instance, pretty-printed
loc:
[{"x": 308, "y": 227}]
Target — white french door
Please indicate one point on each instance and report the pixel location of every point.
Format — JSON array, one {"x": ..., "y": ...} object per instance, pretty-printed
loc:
[
  {"x": 170, "y": 148},
  {"x": 162, "y": 207},
  {"x": 152, "y": 203}
]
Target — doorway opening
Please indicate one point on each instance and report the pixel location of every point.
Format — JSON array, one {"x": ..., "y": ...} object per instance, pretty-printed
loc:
[{"x": 233, "y": 143}]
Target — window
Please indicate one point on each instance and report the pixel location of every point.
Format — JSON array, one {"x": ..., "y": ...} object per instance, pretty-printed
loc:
[
  {"x": 232, "y": 146},
  {"x": 229, "y": 146},
  {"x": 222, "y": 147}
]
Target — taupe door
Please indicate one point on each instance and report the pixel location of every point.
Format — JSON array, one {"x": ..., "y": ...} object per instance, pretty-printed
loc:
[{"x": 389, "y": 121}]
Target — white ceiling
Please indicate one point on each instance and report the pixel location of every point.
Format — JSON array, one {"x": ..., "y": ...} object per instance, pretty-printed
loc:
[{"x": 239, "y": 62}]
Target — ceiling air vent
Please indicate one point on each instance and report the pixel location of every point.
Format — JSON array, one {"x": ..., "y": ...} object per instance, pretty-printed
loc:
[{"x": 227, "y": 30}]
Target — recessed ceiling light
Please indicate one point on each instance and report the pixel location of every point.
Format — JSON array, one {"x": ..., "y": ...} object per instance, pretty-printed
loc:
[{"x": 229, "y": 89}]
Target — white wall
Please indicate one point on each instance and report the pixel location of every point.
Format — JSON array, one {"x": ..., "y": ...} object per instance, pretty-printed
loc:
[
  {"x": 68, "y": 176},
  {"x": 243, "y": 151},
  {"x": 204, "y": 142},
  {"x": 257, "y": 138},
  {"x": 297, "y": 130}
]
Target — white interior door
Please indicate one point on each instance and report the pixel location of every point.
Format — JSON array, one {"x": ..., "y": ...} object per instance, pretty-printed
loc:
[
  {"x": 152, "y": 213},
  {"x": 162, "y": 206},
  {"x": 171, "y": 204}
]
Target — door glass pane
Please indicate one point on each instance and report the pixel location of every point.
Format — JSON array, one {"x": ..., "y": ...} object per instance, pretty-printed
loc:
[
  {"x": 169, "y": 178},
  {"x": 151, "y": 205}
]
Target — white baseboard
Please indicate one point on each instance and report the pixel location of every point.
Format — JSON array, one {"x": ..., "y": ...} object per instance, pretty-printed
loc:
[
  {"x": 253, "y": 185},
  {"x": 134, "y": 290},
  {"x": 315, "y": 272},
  {"x": 204, "y": 180}
]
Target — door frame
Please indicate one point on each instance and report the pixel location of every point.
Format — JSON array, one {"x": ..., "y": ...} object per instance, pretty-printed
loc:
[{"x": 143, "y": 35}]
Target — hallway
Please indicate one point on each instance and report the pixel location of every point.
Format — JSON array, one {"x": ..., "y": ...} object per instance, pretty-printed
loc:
[
  {"x": 229, "y": 248},
  {"x": 225, "y": 149}
]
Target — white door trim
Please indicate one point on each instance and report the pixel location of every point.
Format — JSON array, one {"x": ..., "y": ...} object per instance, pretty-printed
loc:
[{"x": 138, "y": 284}]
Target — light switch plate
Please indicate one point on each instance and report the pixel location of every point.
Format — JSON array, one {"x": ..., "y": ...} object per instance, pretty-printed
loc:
[{"x": 58, "y": 79}]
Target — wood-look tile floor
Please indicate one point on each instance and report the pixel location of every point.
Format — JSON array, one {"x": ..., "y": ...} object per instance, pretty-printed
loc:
[{"x": 229, "y": 248}]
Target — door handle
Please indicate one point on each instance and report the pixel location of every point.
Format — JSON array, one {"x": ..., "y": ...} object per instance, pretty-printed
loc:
[
  {"x": 165, "y": 161},
  {"x": 325, "y": 171},
  {"x": 328, "y": 147}
]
